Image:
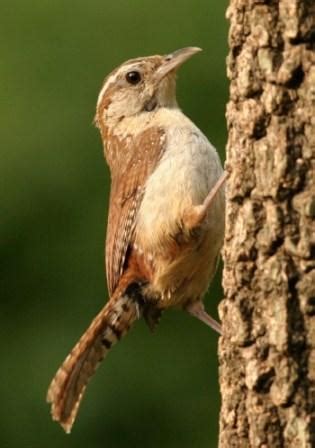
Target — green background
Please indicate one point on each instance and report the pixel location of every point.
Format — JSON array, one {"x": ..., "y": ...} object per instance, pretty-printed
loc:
[{"x": 153, "y": 390}]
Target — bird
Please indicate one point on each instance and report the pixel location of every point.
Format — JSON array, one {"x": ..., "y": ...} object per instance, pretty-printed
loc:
[{"x": 166, "y": 216}]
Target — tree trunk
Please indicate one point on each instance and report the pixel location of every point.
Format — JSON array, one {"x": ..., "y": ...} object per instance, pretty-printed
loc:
[{"x": 267, "y": 352}]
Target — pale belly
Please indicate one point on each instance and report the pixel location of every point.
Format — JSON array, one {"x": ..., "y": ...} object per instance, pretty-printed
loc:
[
  {"x": 186, "y": 277},
  {"x": 183, "y": 264}
]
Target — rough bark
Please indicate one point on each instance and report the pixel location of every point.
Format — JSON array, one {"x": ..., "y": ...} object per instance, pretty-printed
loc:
[{"x": 267, "y": 352}]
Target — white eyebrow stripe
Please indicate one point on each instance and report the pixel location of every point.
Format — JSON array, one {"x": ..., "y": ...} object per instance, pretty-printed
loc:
[{"x": 112, "y": 78}]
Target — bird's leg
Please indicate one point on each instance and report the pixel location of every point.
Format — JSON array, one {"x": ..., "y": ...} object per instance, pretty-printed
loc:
[
  {"x": 211, "y": 195},
  {"x": 152, "y": 315},
  {"x": 195, "y": 216},
  {"x": 197, "y": 310}
]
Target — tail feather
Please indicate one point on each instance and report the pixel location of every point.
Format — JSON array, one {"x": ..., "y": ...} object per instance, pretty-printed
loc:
[{"x": 67, "y": 387}]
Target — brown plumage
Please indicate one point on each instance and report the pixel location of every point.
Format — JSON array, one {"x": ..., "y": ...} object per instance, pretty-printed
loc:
[
  {"x": 165, "y": 227},
  {"x": 127, "y": 189},
  {"x": 67, "y": 388}
]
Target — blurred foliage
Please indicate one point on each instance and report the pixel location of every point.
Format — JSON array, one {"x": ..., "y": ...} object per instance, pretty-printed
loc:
[{"x": 157, "y": 390}]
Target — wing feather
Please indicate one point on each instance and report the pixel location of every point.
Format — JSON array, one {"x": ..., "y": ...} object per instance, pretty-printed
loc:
[{"x": 127, "y": 189}]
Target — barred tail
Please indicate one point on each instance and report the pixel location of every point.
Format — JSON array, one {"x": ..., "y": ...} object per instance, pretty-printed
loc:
[{"x": 67, "y": 387}]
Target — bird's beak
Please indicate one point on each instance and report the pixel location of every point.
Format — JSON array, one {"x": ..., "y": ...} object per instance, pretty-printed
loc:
[{"x": 174, "y": 60}]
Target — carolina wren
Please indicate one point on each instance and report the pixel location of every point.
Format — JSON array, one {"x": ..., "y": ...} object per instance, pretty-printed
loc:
[{"x": 166, "y": 215}]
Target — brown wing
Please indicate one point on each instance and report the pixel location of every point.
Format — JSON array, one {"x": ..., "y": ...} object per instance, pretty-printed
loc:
[{"x": 127, "y": 190}]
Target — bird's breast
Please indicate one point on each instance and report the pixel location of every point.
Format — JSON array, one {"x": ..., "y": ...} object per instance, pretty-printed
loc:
[{"x": 183, "y": 177}]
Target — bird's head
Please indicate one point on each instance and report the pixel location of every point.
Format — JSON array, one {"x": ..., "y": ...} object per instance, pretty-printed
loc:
[{"x": 140, "y": 85}]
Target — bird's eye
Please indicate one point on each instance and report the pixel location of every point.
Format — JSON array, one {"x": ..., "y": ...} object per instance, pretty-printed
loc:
[{"x": 133, "y": 77}]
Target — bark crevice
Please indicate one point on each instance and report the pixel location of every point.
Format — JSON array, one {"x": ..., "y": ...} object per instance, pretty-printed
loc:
[{"x": 267, "y": 352}]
